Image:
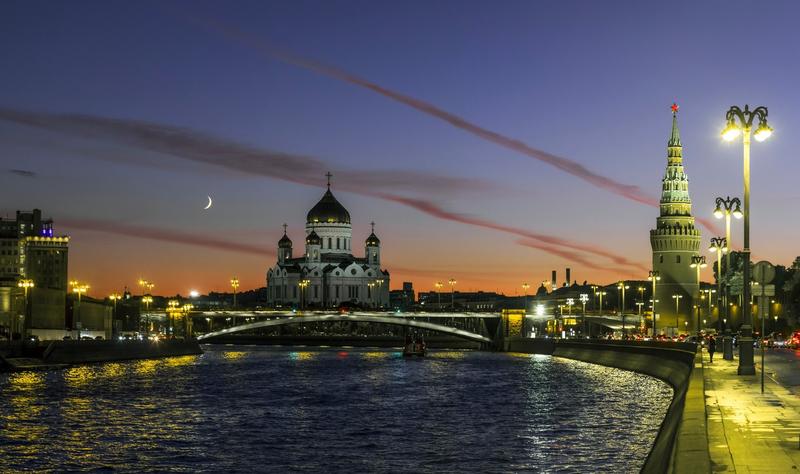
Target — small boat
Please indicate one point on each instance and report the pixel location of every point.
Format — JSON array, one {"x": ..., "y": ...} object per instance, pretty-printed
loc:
[{"x": 414, "y": 347}]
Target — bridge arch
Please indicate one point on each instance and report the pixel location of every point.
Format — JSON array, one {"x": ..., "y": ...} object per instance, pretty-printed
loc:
[{"x": 360, "y": 318}]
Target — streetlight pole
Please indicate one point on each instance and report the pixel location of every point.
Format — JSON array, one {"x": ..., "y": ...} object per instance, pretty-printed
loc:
[
  {"x": 601, "y": 293},
  {"x": 235, "y": 286},
  {"x": 725, "y": 208},
  {"x": 303, "y": 284},
  {"x": 26, "y": 284},
  {"x": 698, "y": 263},
  {"x": 622, "y": 286},
  {"x": 452, "y": 283},
  {"x": 79, "y": 289},
  {"x": 639, "y": 305},
  {"x": 677, "y": 299},
  {"x": 525, "y": 287},
  {"x": 731, "y": 131},
  {"x": 114, "y": 297},
  {"x": 584, "y": 298},
  {"x": 720, "y": 246},
  {"x": 654, "y": 277},
  {"x": 439, "y": 286}
]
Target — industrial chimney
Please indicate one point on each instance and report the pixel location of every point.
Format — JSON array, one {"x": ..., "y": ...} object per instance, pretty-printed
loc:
[
  {"x": 569, "y": 282},
  {"x": 554, "y": 282}
]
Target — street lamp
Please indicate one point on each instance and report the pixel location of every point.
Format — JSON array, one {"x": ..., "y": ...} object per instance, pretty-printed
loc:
[
  {"x": 235, "y": 286},
  {"x": 303, "y": 284},
  {"x": 732, "y": 130},
  {"x": 677, "y": 299},
  {"x": 172, "y": 308},
  {"x": 622, "y": 286},
  {"x": 584, "y": 298},
  {"x": 639, "y": 305},
  {"x": 439, "y": 286},
  {"x": 601, "y": 294},
  {"x": 79, "y": 289},
  {"x": 726, "y": 208},
  {"x": 654, "y": 277},
  {"x": 186, "y": 311},
  {"x": 379, "y": 281},
  {"x": 525, "y": 287},
  {"x": 371, "y": 285},
  {"x": 114, "y": 297},
  {"x": 720, "y": 246},
  {"x": 147, "y": 300},
  {"x": 26, "y": 284},
  {"x": 698, "y": 263},
  {"x": 452, "y": 282}
]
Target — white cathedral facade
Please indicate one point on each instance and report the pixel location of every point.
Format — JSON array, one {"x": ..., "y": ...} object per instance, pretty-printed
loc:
[{"x": 328, "y": 274}]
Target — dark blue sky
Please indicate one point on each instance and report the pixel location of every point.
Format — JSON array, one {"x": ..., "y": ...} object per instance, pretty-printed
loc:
[{"x": 589, "y": 81}]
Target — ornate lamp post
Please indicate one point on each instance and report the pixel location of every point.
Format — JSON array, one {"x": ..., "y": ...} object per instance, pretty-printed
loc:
[
  {"x": 371, "y": 286},
  {"x": 698, "y": 263},
  {"x": 584, "y": 298},
  {"x": 654, "y": 277},
  {"x": 741, "y": 122},
  {"x": 379, "y": 282},
  {"x": 26, "y": 284},
  {"x": 726, "y": 208},
  {"x": 720, "y": 246}
]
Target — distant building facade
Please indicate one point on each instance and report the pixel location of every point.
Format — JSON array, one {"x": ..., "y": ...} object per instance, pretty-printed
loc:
[
  {"x": 30, "y": 250},
  {"x": 328, "y": 274},
  {"x": 402, "y": 300},
  {"x": 674, "y": 242}
]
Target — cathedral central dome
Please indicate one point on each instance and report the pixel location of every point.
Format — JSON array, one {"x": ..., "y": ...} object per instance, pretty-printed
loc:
[{"x": 328, "y": 210}]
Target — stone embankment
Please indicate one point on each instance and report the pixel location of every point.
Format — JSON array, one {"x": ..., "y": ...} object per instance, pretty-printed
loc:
[
  {"x": 60, "y": 353},
  {"x": 682, "y": 442}
]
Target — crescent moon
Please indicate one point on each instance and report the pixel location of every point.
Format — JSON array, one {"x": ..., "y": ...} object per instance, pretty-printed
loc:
[{"x": 210, "y": 202}]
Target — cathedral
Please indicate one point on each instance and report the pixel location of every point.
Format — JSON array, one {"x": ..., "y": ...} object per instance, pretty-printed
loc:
[
  {"x": 674, "y": 241},
  {"x": 328, "y": 275}
]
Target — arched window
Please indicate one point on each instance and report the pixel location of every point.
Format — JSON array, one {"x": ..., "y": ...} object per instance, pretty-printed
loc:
[
  {"x": 661, "y": 259},
  {"x": 337, "y": 243},
  {"x": 678, "y": 259}
]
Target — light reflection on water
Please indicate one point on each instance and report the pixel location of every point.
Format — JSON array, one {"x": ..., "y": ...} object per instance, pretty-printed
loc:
[{"x": 333, "y": 410}]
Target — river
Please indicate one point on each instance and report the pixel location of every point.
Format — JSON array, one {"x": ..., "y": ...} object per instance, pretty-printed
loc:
[{"x": 258, "y": 409}]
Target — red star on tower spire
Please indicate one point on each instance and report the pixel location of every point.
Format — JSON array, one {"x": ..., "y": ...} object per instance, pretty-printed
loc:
[{"x": 674, "y": 108}]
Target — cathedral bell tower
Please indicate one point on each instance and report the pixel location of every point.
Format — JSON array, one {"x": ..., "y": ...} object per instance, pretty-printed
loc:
[{"x": 674, "y": 241}]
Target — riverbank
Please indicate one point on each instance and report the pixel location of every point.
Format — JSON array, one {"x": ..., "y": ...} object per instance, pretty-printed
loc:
[
  {"x": 681, "y": 445},
  {"x": 56, "y": 354}
]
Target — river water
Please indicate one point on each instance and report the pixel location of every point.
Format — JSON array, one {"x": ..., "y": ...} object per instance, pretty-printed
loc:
[{"x": 251, "y": 409}]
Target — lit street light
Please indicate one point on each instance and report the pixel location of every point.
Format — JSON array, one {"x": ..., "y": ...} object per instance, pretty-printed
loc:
[
  {"x": 452, "y": 282},
  {"x": 79, "y": 289},
  {"x": 677, "y": 299},
  {"x": 525, "y": 287},
  {"x": 732, "y": 130},
  {"x": 698, "y": 263},
  {"x": 601, "y": 294},
  {"x": 622, "y": 287},
  {"x": 584, "y": 298},
  {"x": 303, "y": 284},
  {"x": 26, "y": 284},
  {"x": 439, "y": 286},
  {"x": 654, "y": 277},
  {"x": 720, "y": 246},
  {"x": 114, "y": 297}
]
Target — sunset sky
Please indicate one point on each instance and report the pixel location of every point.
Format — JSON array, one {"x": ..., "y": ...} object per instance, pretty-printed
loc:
[{"x": 489, "y": 141}]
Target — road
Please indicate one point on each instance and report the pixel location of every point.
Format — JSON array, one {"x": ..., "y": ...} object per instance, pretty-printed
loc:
[{"x": 782, "y": 365}]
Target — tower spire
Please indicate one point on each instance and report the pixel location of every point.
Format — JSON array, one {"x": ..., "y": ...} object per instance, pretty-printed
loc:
[
  {"x": 284, "y": 228},
  {"x": 675, "y": 137},
  {"x": 329, "y": 176},
  {"x": 373, "y": 226}
]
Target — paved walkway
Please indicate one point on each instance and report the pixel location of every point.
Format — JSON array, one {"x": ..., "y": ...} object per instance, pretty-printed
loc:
[{"x": 749, "y": 431}]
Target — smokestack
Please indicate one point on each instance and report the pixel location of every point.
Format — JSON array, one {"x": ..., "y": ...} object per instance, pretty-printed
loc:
[
  {"x": 569, "y": 282},
  {"x": 553, "y": 282}
]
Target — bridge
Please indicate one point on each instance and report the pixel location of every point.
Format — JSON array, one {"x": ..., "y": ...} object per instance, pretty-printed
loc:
[{"x": 361, "y": 318}]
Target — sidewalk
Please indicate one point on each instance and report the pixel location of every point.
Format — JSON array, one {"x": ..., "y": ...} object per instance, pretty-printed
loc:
[{"x": 749, "y": 431}]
